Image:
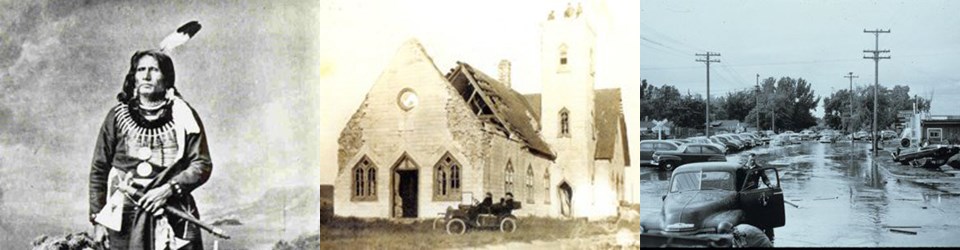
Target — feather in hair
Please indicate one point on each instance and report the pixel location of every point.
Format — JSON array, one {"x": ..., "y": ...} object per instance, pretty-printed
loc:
[{"x": 181, "y": 36}]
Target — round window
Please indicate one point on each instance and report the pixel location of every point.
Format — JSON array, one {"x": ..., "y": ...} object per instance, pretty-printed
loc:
[{"x": 407, "y": 99}]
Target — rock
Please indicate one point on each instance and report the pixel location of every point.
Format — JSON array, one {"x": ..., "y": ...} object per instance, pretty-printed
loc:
[{"x": 75, "y": 241}]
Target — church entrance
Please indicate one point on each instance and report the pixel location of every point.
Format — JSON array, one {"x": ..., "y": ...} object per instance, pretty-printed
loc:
[
  {"x": 406, "y": 194},
  {"x": 405, "y": 188},
  {"x": 566, "y": 199}
]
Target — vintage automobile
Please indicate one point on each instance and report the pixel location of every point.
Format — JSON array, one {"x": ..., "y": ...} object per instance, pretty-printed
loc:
[
  {"x": 704, "y": 139},
  {"x": 648, "y": 147},
  {"x": 710, "y": 198},
  {"x": 688, "y": 153},
  {"x": 467, "y": 215},
  {"x": 931, "y": 156},
  {"x": 826, "y": 139}
]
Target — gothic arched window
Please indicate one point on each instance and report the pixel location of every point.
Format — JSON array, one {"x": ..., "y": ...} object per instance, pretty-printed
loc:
[
  {"x": 564, "y": 123},
  {"x": 563, "y": 58},
  {"x": 372, "y": 182},
  {"x": 508, "y": 178},
  {"x": 546, "y": 185},
  {"x": 529, "y": 182},
  {"x": 449, "y": 182},
  {"x": 364, "y": 184}
]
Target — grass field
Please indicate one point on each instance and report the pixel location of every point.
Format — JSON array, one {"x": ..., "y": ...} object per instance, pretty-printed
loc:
[{"x": 355, "y": 233}]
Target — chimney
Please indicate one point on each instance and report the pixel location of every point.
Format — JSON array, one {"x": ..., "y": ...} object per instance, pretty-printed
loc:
[{"x": 504, "y": 69}]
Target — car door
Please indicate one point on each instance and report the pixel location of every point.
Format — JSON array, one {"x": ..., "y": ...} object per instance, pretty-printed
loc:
[
  {"x": 691, "y": 154},
  {"x": 646, "y": 152},
  {"x": 665, "y": 146},
  {"x": 712, "y": 153},
  {"x": 763, "y": 205}
]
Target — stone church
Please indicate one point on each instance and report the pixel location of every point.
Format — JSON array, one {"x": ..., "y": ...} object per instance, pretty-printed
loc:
[{"x": 422, "y": 140}]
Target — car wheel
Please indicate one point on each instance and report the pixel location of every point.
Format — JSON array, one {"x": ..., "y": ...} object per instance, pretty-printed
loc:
[
  {"x": 438, "y": 223},
  {"x": 668, "y": 166},
  {"x": 456, "y": 226},
  {"x": 508, "y": 225}
]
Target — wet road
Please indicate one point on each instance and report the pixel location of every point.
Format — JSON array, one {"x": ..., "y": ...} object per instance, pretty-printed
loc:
[{"x": 843, "y": 199}]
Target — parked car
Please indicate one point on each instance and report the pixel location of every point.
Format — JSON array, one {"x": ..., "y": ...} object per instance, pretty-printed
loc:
[
  {"x": 779, "y": 140},
  {"x": 742, "y": 145},
  {"x": 679, "y": 141},
  {"x": 702, "y": 139},
  {"x": 648, "y": 147},
  {"x": 458, "y": 220},
  {"x": 688, "y": 153},
  {"x": 807, "y": 135},
  {"x": 756, "y": 139},
  {"x": 862, "y": 135},
  {"x": 710, "y": 198},
  {"x": 888, "y": 134},
  {"x": 795, "y": 138},
  {"x": 730, "y": 144},
  {"x": 826, "y": 139},
  {"x": 746, "y": 141}
]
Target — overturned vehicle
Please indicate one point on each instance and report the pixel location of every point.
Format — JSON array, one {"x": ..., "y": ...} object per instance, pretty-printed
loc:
[
  {"x": 931, "y": 156},
  {"x": 709, "y": 200}
]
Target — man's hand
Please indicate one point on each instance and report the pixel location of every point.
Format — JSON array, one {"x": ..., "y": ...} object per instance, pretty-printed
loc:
[
  {"x": 155, "y": 199},
  {"x": 99, "y": 233}
]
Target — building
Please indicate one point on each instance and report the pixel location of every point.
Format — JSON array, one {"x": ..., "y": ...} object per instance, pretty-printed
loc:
[
  {"x": 941, "y": 129},
  {"x": 423, "y": 141}
]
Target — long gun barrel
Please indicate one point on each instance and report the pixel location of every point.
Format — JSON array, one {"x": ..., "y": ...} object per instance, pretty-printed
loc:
[{"x": 135, "y": 194}]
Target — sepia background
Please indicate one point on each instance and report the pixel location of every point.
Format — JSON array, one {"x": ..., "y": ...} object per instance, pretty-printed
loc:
[{"x": 273, "y": 81}]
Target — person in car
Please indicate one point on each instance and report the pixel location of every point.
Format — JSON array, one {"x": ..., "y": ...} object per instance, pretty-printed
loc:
[
  {"x": 482, "y": 208},
  {"x": 487, "y": 203},
  {"x": 505, "y": 206}
]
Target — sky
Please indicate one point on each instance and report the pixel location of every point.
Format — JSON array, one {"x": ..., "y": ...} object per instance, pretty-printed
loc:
[
  {"x": 819, "y": 41},
  {"x": 274, "y": 82}
]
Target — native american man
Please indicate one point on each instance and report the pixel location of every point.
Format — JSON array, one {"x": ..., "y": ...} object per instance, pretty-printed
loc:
[{"x": 155, "y": 142}]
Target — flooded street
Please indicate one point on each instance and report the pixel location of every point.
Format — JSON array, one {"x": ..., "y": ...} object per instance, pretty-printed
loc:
[{"x": 837, "y": 196}]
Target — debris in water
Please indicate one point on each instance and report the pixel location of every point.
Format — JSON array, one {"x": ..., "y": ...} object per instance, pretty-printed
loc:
[{"x": 903, "y": 231}]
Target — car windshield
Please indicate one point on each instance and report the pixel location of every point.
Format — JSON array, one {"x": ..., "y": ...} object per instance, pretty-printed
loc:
[{"x": 709, "y": 180}]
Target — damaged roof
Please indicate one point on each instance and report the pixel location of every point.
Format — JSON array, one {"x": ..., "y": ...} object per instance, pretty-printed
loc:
[
  {"x": 608, "y": 119},
  {"x": 501, "y": 105}
]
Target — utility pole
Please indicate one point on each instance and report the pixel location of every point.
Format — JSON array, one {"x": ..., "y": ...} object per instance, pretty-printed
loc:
[
  {"x": 876, "y": 74},
  {"x": 773, "y": 110},
  {"x": 850, "y": 115},
  {"x": 708, "y": 61},
  {"x": 757, "y": 106}
]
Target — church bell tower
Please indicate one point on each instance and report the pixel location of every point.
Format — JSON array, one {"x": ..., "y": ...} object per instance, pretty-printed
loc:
[{"x": 568, "y": 44}]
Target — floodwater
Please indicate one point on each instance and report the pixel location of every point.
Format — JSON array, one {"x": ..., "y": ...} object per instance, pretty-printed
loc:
[{"x": 843, "y": 199}]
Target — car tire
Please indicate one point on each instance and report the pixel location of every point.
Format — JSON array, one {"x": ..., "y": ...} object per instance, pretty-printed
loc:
[
  {"x": 456, "y": 226},
  {"x": 668, "y": 166},
  {"x": 508, "y": 225}
]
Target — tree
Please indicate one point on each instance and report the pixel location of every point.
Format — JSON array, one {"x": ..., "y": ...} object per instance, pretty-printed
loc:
[
  {"x": 643, "y": 88},
  {"x": 889, "y": 103},
  {"x": 791, "y": 100}
]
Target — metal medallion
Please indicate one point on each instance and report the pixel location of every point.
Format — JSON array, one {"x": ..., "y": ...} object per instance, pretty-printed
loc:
[
  {"x": 144, "y": 153},
  {"x": 144, "y": 169}
]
